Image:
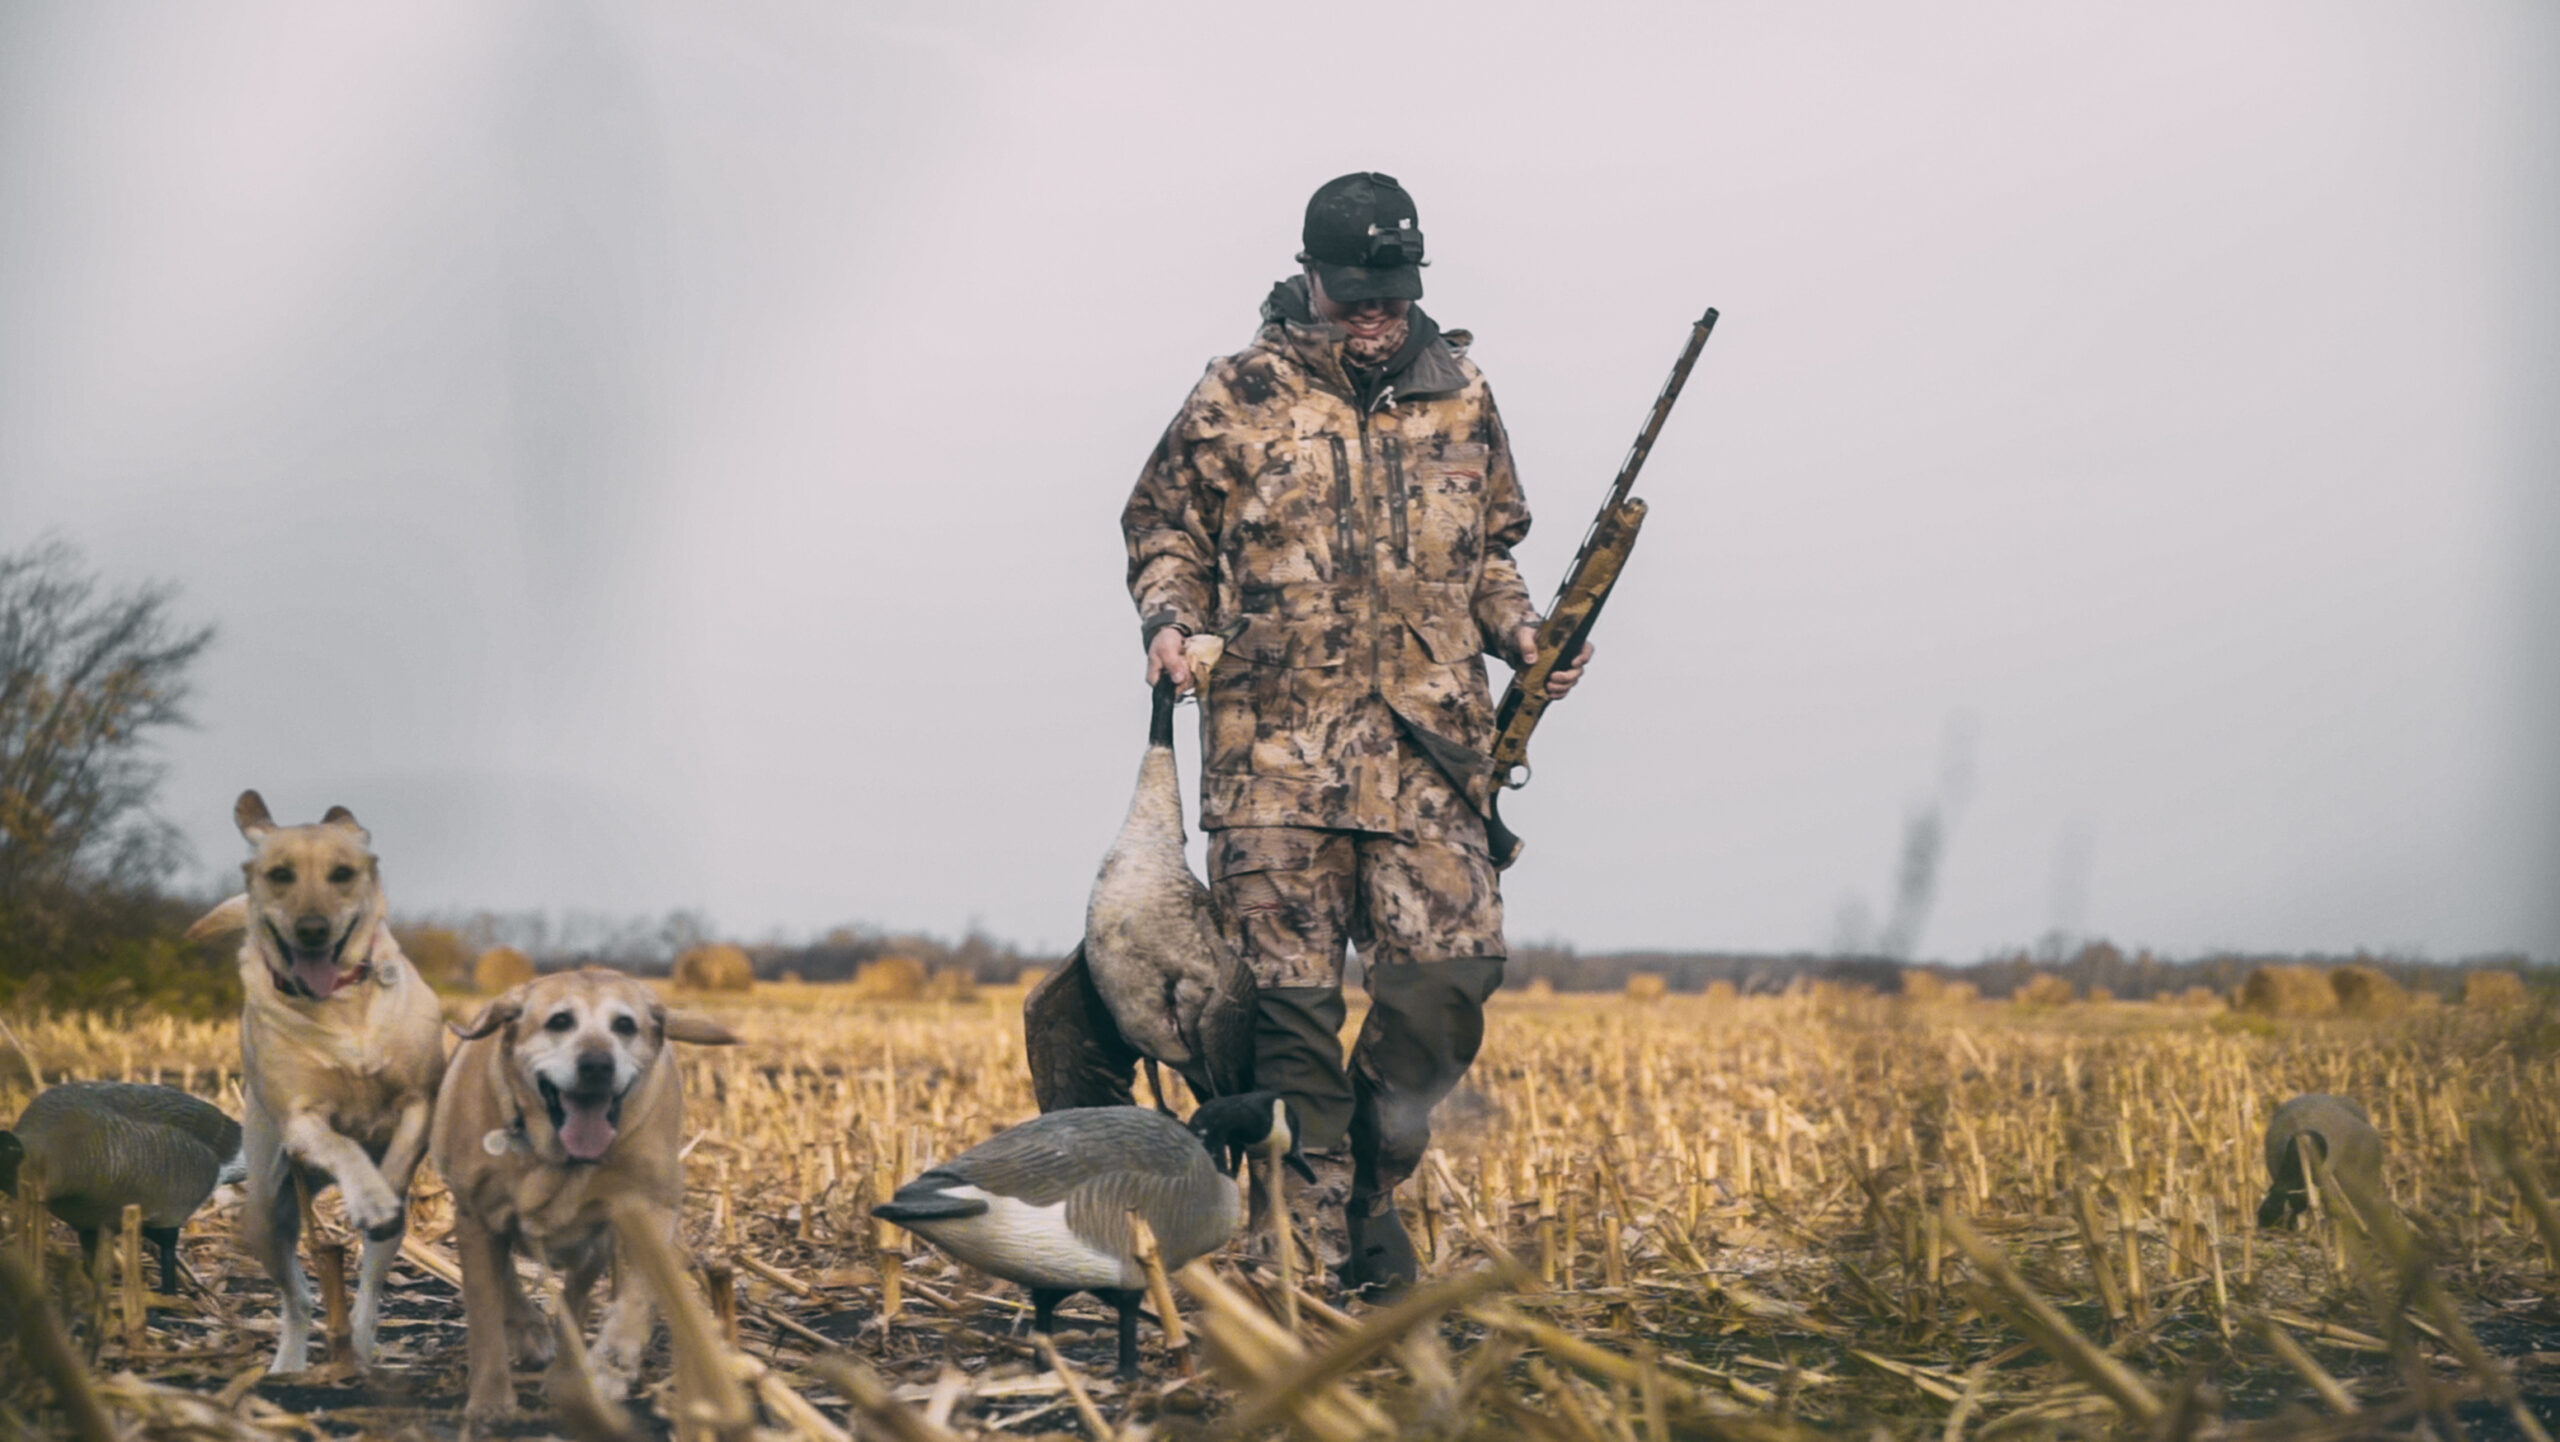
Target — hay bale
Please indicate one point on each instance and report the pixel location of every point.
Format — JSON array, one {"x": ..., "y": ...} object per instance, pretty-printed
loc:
[
  {"x": 891, "y": 978},
  {"x": 1538, "y": 989},
  {"x": 2363, "y": 991},
  {"x": 1959, "y": 993},
  {"x": 2288, "y": 991},
  {"x": 716, "y": 967},
  {"x": 951, "y": 983},
  {"x": 441, "y": 956},
  {"x": 1030, "y": 977},
  {"x": 2098, "y": 994},
  {"x": 2198, "y": 998},
  {"x": 2492, "y": 989},
  {"x": 2045, "y": 989},
  {"x": 1925, "y": 988},
  {"x": 1647, "y": 986},
  {"x": 1722, "y": 993},
  {"x": 500, "y": 968}
]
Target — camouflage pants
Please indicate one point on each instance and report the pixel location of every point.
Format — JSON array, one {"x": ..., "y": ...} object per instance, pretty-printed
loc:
[{"x": 1426, "y": 915}]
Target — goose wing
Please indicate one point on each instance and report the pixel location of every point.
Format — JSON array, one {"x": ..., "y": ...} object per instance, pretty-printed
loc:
[
  {"x": 1219, "y": 1027},
  {"x": 1078, "y": 1057}
]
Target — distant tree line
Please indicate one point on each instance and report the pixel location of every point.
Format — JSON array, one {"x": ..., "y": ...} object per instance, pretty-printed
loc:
[
  {"x": 2092, "y": 965},
  {"x": 443, "y": 946}
]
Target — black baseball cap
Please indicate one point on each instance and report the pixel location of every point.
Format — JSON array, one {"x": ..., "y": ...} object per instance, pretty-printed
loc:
[{"x": 1363, "y": 239}]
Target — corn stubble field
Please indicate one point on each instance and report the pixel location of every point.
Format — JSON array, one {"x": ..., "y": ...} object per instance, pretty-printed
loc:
[{"x": 1823, "y": 1214}]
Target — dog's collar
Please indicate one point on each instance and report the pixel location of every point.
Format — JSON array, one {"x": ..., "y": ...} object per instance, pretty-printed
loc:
[{"x": 292, "y": 986}]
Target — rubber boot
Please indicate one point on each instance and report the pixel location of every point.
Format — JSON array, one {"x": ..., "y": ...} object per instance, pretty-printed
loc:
[
  {"x": 1383, "y": 1263},
  {"x": 1297, "y": 1052}
]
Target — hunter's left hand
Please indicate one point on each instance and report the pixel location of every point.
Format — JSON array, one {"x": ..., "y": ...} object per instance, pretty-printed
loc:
[{"x": 1561, "y": 679}]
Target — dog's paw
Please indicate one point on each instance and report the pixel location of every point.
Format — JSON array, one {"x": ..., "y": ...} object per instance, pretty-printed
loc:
[
  {"x": 613, "y": 1373},
  {"x": 491, "y": 1410},
  {"x": 375, "y": 1211},
  {"x": 530, "y": 1340}
]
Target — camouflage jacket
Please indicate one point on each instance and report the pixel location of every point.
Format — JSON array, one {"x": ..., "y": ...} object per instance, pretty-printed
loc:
[{"x": 1361, "y": 555}]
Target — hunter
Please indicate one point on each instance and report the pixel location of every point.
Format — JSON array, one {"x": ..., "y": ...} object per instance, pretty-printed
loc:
[{"x": 1338, "y": 500}]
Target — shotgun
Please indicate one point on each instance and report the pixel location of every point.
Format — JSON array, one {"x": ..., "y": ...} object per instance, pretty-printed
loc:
[{"x": 1586, "y": 588}]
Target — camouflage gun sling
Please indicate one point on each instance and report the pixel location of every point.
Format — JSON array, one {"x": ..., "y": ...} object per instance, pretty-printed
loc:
[{"x": 1586, "y": 588}]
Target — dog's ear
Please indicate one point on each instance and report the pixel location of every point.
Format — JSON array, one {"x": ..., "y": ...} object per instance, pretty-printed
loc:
[
  {"x": 249, "y": 813},
  {"x": 496, "y": 1014},
  {"x": 231, "y": 915},
  {"x": 341, "y": 816},
  {"x": 695, "y": 1028}
]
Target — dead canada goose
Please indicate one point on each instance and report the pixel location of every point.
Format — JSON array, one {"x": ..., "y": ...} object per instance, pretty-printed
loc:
[
  {"x": 2337, "y": 1130},
  {"x": 1171, "y": 984},
  {"x": 108, "y": 1145},
  {"x": 1046, "y": 1203}
]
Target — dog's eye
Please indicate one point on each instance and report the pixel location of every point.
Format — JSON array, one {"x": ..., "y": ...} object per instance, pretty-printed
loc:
[
  {"x": 625, "y": 1026},
  {"x": 561, "y": 1021},
  {"x": 280, "y": 875},
  {"x": 341, "y": 875}
]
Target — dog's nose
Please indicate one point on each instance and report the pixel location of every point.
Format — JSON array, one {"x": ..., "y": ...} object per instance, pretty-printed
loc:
[
  {"x": 311, "y": 932},
  {"x": 595, "y": 1070}
]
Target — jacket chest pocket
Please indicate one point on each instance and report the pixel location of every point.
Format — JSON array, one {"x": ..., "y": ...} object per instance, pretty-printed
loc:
[
  {"x": 1269, "y": 523},
  {"x": 1444, "y": 510}
]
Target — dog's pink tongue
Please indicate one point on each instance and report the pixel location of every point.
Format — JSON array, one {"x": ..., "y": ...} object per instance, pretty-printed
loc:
[
  {"x": 319, "y": 977},
  {"x": 588, "y": 1129}
]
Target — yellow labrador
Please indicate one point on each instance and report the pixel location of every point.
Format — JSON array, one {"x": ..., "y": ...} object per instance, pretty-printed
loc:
[
  {"x": 563, "y": 1097},
  {"x": 341, "y": 1045}
]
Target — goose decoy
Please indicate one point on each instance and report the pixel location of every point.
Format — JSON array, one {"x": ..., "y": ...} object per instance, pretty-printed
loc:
[
  {"x": 1046, "y": 1203},
  {"x": 1157, "y": 958},
  {"x": 2339, "y": 1132},
  {"x": 109, "y": 1145}
]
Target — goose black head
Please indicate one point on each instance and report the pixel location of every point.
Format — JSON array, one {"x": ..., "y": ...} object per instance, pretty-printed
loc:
[{"x": 1261, "y": 1122}]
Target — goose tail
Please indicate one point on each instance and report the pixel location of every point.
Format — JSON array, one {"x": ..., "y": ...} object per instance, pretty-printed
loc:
[
  {"x": 925, "y": 1200},
  {"x": 935, "y": 1208}
]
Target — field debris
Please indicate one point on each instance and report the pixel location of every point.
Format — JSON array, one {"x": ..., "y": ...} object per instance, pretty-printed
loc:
[{"x": 1826, "y": 1214}]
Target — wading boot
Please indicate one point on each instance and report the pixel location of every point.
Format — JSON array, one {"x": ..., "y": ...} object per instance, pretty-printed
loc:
[{"x": 1382, "y": 1264}]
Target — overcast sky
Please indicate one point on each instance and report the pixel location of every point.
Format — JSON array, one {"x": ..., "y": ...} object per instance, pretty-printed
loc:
[{"x": 644, "y": 456}]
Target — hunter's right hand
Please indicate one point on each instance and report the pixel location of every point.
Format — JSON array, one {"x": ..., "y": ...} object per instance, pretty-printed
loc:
[{"x": 1165, "y": 658}]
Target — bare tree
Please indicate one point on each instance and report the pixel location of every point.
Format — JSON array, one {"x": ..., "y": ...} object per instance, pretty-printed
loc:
[{"x": 87, "y": 676}]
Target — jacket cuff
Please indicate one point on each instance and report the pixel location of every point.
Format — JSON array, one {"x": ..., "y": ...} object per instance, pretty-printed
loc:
[
  {"x": 1156, "y": 621},
  {"x": 1499, "y": 636}
]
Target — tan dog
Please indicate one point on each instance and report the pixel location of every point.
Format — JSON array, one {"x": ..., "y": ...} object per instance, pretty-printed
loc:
[
  {"x": 341, "y": 1045},
  {"x": 561, "y": 1099}
]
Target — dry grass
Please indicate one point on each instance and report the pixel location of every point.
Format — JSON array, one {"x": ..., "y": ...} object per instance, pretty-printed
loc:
[{"x": 1767, "y": 1217}]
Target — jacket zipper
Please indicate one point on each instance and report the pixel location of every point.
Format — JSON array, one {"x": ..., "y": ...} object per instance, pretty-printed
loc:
[
  {"x": 1346, "y": 559},
  {"x": 1399, "y": 499}
]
